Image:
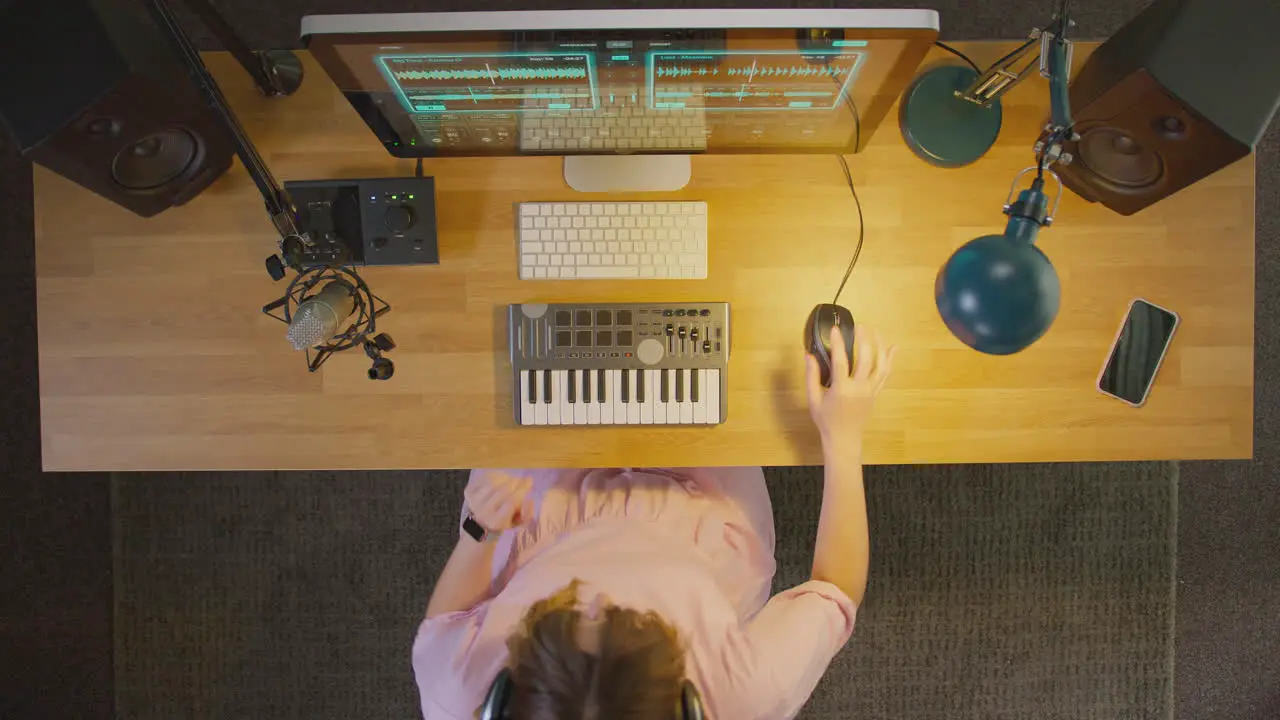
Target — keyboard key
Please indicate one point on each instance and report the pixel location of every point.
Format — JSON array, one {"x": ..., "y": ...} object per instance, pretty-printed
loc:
[
  {"x": 634, "y": 411},
  {"x": 573, "y": 387},
  {"x": 626, "y": 386},
  {"x": 581, "y": 413},
  {"x": 713, "y": 396},
  {"x": 606, "y": 273},
  {"x": 657, "y": 408},
  {"x": 528, "y": 398},
  {"x": 699, "y": 397},
  {"x": 609, "y": 401}
]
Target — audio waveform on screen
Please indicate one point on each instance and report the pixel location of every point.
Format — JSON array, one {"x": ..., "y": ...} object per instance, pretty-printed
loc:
[
  {"x": 499, "y": 73},
  {"x": 763, "y": 71}
]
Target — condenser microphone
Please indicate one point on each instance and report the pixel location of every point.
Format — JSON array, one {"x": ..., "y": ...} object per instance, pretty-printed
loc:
[{"x": 320, "y": 316}]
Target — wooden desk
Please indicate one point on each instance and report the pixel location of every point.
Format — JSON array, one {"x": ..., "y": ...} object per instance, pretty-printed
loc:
[{"x": 154, "y": 353}]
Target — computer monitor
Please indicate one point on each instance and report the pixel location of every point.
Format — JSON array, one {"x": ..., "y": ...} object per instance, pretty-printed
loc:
[{"x": 625, "y": 95}]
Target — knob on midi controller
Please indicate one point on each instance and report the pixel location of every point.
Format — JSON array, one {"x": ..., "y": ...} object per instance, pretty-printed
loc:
[{"x": 650, "y": 351}]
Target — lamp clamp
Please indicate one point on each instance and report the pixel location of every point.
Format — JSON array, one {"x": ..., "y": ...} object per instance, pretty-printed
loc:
[{"x": 1020, "y": 208}]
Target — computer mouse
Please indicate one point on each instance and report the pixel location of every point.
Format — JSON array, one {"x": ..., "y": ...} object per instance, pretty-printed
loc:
[{"x": 817, "y": 336}]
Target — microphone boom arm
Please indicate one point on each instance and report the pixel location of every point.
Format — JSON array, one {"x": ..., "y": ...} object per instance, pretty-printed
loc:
[{"x": 280, "y": 207}]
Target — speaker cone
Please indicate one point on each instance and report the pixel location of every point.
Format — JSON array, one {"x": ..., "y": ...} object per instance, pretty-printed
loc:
[
  {"x": 1117, "y": 158},
  {"x": 156, "y": 160}
]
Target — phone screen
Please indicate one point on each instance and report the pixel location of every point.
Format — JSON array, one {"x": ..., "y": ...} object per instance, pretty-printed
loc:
[{"x": 1138, "y": 352}]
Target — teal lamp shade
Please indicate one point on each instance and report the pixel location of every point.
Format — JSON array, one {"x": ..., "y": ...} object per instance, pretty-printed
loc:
[
  {"x": 941, "y": 128},
  {"x": 998, "y": 293}
]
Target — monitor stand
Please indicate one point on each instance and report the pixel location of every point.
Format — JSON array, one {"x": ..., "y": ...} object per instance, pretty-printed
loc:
[{"x": 621, "y": 173}]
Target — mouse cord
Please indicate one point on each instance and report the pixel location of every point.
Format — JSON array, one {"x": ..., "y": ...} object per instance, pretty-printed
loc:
[
  {"x": 857, "y": 250},
  {"x": 848, "y": 176}
]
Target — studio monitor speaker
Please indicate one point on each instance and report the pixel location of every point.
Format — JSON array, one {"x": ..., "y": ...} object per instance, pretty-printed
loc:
[
  {"x": 1184, "y": 89},
  {"x": 96, "y": 93}
]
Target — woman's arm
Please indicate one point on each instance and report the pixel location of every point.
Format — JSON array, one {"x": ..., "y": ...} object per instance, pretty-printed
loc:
[
  {"x": 842, "y": 552},
  {"x": 465, "y": 580},
  {"x": 498, "y": 501}
]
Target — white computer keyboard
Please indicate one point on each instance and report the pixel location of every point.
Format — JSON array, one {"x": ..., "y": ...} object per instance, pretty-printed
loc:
[
  {"x": 612, "y": 240},
  {"x": 619, "y": 123}
]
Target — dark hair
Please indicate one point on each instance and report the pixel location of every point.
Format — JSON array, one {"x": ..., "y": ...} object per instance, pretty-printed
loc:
[{"x": 637, "y": 673}]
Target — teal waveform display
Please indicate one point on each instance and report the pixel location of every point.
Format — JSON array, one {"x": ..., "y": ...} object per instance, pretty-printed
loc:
[
  {"x": 489, "y": 82},
  {"x": 497, "y": 73},
  {"x": 747, "y": 80},
  {"x": 763, "y": 71}
]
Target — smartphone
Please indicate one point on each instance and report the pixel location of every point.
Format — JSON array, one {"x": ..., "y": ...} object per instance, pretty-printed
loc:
[{"x": 1139, "y": 349}]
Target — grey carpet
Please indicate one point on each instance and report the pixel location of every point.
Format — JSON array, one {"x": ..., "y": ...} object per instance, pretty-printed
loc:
[{"x": 1014, "y": 591}]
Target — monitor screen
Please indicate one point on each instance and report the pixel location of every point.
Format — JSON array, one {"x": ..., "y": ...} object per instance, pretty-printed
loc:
[{"x": 565, "y": 91}]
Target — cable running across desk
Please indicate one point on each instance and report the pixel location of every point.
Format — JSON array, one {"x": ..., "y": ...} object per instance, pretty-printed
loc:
[
  {"x": 857, "y": 250},
  {"x": 848, "y": 176}
]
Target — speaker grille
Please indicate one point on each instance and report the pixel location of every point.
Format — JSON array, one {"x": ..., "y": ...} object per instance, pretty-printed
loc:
[
  {"x": 156, "y": 160},
  {"x": 1117, "y": 158}
]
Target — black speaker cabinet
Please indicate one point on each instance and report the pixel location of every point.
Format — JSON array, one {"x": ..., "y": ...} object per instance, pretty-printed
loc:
[
  {"x": 97, "y": 94},
  {"x": 1184, "y": 89}
]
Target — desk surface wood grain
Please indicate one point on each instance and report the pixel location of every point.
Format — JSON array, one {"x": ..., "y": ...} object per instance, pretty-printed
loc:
[{"x": 154, "y": 353}]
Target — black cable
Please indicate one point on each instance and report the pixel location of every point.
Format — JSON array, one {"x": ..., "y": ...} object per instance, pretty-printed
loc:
[
  {"x": 418, "y": 170},
  {"x": 862, "y": 227},
  {"x": 848, "y": 176},
  {"x": 959, "y": 54}
]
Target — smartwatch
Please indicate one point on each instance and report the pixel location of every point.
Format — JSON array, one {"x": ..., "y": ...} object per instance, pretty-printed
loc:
[{"x": 475, "y": 529}]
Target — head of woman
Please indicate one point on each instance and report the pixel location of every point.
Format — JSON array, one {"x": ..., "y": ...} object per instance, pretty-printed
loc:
[{"x": 614, "y": 663}]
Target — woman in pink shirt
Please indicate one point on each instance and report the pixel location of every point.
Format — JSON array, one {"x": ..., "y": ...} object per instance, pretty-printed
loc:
[{"x": 602, "y": 592}]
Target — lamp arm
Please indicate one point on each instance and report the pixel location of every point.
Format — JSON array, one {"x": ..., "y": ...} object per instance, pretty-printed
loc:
[{"x": 1003, "y": 75}]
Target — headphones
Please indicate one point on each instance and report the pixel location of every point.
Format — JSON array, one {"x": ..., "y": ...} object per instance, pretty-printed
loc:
[{"x": 498, "y": 698}]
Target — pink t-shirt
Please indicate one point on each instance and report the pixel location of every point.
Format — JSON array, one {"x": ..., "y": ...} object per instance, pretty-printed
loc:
[{"x": 694, "y": 545}]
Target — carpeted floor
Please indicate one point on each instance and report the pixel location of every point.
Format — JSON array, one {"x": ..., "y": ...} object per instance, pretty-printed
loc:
[
  {"x": 1007, "y": 591},
  {"x": 56, "y": 636}
]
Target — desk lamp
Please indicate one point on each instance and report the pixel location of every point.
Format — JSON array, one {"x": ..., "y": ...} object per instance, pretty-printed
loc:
[{"x": 997, "y": 293}]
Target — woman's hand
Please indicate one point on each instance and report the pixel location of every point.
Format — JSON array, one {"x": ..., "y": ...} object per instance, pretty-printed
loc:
[
  {"x": 497, "y": 500},
  {"x": 841, "y": 412}
]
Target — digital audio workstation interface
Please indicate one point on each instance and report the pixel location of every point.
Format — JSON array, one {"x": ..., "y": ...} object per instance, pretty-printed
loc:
[{"x": 592, "y": 92}]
